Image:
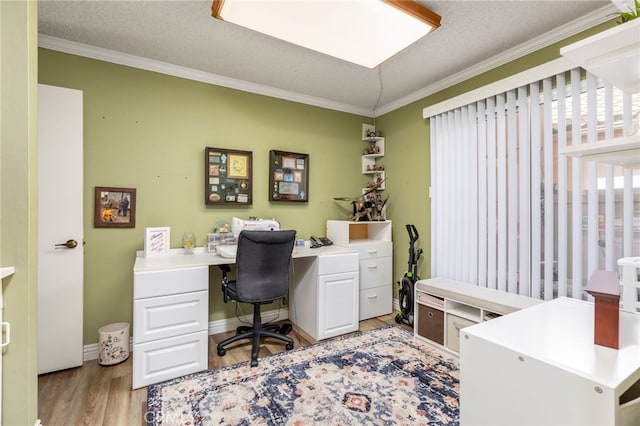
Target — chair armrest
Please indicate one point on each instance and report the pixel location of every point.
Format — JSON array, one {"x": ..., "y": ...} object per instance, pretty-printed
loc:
[{"x": 225, "y": 281}]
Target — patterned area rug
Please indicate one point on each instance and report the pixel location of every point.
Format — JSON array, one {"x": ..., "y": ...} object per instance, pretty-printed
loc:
[{"x": 381, "y": 377}]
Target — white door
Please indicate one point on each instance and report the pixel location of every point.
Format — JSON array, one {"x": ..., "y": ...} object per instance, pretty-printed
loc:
[{"x": 60, "y": 239}]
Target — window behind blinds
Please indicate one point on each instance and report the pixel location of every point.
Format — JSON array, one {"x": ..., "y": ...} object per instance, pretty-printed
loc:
[{"x": 509, "y": 212}]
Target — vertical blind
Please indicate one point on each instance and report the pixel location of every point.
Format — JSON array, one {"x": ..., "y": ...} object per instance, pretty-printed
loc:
[{"x": 511, "y": 213}]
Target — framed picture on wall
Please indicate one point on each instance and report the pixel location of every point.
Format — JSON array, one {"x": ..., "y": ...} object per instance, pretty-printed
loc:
[
  {"x": 288, "y": 176},
  {"x": 228, "y": 176},
  {"x": 114, "y": 207}
]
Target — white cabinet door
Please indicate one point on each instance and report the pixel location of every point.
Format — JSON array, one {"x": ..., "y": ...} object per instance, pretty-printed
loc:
[{"x": 338, "y": 296}]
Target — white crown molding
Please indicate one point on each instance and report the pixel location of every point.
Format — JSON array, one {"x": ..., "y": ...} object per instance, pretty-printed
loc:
[
  {"x": 590, "y": 20},
  {"x": 74, "y": 48},
  {"x": 594, "y": 18}
]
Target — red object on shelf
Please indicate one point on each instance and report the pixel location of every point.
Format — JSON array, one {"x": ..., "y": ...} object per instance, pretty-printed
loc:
[{"x": 604, "y": 286}]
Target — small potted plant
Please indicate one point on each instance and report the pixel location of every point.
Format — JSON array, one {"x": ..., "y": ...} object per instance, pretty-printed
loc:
[{"x": 630, "y": 14}]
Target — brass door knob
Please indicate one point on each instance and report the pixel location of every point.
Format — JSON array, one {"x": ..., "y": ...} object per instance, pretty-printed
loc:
[{"x": 69, "y": 244}]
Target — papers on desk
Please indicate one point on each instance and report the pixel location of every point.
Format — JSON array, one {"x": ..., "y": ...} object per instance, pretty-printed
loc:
[{"x": 227, "y": 251}]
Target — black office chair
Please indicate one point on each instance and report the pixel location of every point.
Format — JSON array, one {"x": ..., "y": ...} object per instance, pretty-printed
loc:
[{"x": 262, "y": 276}]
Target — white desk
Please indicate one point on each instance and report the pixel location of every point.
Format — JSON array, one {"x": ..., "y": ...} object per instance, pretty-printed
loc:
[
  {"x": 171, "y": 314},
  {"x": 539, "y": 366},
  {"x": 178, "y": 259}
]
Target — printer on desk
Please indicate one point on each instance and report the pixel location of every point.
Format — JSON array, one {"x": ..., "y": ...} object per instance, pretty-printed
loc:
[{"x": 253, "y": 224}]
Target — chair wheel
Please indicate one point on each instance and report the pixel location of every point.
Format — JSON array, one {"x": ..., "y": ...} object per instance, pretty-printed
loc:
[
  {"x": 222, "y": 351},
  {"x": 289, "y": 346}
]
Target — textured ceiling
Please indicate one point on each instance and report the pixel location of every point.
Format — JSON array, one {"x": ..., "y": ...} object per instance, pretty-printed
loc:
[{"x": 183, "y": 33}]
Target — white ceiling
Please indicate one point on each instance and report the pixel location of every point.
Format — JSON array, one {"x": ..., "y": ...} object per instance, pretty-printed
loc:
[{"x": 180, "y": 37}]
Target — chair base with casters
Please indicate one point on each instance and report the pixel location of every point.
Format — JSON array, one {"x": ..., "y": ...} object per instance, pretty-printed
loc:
[{"x": 255, "y": 333}]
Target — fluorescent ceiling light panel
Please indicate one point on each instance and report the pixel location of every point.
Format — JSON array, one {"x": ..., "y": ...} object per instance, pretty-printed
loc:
[{"x": 365, "y": 32}]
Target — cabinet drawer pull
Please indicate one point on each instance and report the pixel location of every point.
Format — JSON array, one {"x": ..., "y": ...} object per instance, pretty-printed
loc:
[
  {"x": 372, "y": 296},
  {"x": 430, "y": 314},
  {"x": 372, "y": 251},
  {"x": 372, "y": 266}
]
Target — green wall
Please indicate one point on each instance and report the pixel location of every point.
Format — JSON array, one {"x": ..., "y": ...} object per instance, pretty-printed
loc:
[
  {"x": 148, "y": 131},
  {"x": 18, "y": 212}
]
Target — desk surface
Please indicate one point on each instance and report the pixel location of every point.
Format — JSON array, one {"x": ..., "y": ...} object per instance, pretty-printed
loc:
[
  {"x": 178, "y": 259},
  {"x": 560, "y": 332}
]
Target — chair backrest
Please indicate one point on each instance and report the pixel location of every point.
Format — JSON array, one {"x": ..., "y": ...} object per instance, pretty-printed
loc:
[{"x": 262, "y": 265}]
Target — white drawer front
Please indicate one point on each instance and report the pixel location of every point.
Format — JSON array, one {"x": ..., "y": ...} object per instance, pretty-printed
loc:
[
  {"x": 166, "y": 359},
  {"x": 375, "y": 302},
  {"x": 170, "y": 281},
  {"x": 375, "y": 272},
  {"x": 370, "y": 250},
  {"x": 337, "y": 263},
  {"x": 168, "y": 316}
]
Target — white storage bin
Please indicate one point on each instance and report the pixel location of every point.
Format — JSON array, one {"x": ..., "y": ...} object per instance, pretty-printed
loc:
[{"x": 113, "y": 343}]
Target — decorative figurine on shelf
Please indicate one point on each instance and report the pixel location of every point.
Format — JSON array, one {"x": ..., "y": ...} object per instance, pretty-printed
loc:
[
  {"x": 372, "y": 149},
  {"x": 371, "y": 133},
  {"x": 378, "y": 203},
  {"x": 365, "y": 206}
]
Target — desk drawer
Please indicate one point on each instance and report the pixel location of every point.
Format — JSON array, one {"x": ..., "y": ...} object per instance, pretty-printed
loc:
[
  {"x": 375, "y": 272},
  {"x": 370, "y": 250},
  {"x": 168, "y": 316},
  {"x": 165, "y": 359},
  {"x": 170, "y": 281},
  {"x": 375, "y": 302},
  {"x": 337, "y": 263}
]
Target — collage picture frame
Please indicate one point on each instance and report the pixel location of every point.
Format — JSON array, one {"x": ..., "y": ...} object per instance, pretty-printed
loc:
[
  {"x": 288, "y": 176},
  {"x": 228, "y": 177}
]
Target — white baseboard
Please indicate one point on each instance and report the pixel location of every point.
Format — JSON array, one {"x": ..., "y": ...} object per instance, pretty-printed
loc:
[{"x": 90, "y": 352}]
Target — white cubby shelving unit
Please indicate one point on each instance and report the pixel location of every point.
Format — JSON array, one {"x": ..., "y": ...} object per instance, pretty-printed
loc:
[{"x": 444, "y": 307}]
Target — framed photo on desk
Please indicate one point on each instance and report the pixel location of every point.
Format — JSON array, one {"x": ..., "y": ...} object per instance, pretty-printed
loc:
[
  {"x": 157, "y": 241},
  {"x": 288, "y": 176}
]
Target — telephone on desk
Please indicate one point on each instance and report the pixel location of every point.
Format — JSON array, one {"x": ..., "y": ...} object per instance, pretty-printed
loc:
[{"x": 320, "y": 242}]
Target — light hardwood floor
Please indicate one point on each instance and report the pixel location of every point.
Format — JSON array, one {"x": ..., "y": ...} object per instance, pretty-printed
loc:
[{"x": 102, "y": 395}]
